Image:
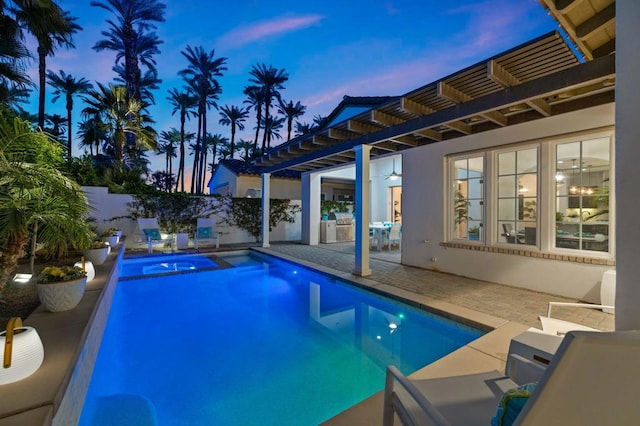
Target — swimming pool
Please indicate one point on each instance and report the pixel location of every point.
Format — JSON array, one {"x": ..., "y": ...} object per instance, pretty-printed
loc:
[{"x": 265, "y": 342}]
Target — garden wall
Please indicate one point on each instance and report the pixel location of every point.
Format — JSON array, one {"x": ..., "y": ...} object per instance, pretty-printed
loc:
[{"x": 105, "y": 206}]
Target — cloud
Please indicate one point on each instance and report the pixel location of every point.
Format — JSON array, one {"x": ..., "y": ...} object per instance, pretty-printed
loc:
[{"x": 249, "y": 34}]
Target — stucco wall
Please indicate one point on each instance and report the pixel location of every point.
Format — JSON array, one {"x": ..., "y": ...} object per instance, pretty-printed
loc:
[
  {"x": 105, "y": 206},
  {"x": 424, "y": 175}
]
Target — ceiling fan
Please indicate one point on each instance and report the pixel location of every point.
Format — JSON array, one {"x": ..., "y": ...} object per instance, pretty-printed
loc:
[{"x": 394, "y": 175}]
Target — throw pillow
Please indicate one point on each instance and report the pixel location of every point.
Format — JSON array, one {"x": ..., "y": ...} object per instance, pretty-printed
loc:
[
  {"x": 153, "y": 233},
  {"x": 511, "y": 404},
  {"x": 205, "y": 232}
]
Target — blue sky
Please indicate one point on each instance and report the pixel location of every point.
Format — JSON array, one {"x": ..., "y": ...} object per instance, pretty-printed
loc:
[{"x": 329, "y": 48}]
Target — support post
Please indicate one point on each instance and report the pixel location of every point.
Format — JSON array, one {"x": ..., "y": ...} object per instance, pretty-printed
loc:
[
  {"x": 266, "y": 208},
  {"x": 363, "y": 202}
]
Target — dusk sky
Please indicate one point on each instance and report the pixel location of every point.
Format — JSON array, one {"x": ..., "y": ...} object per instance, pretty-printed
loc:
[{"x": 329, "y": 48}]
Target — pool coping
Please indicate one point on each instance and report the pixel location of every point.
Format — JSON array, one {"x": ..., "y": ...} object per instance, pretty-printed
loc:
[{"x": 55, "y": 393}]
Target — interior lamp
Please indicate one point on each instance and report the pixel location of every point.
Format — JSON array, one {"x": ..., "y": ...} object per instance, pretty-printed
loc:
[{"x": 21, "y": 352}]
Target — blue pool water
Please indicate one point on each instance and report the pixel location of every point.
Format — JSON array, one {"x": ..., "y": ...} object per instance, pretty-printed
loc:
[
  {"x": 165, "y": 264},
  {"x": 263, "y": 343}
]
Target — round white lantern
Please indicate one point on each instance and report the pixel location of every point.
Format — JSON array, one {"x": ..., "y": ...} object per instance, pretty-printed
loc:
[
  {"x": 21, "y": 352},
  {"x": 88, "y": 269}
]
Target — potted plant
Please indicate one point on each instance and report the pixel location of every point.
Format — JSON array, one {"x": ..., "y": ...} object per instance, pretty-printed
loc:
[
  {"x": 111, "y": 236},
  {"x": 61, "y": 288},
  {"x": 97, "y": 252}
]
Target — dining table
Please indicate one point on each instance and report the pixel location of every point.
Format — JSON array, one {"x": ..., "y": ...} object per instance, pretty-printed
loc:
[{"x": 379, "y": 232}]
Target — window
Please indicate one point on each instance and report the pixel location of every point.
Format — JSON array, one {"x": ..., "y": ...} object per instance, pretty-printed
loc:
[
  {"x": 557, "y": 206},
  {"x": 582, "y": 195},
  {"x": 518, "y": 196},
  {"x": 468, "y": 198}
]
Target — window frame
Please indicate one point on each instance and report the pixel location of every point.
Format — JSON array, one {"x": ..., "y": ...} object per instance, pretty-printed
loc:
[
  {"x": 453, "y": 180},
  {"x": 546, "y": 195}
]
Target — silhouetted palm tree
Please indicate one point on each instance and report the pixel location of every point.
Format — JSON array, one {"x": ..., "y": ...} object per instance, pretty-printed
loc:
[
  {"x": 52, "y": 27},
  {"x": 58, "y": 124},
  {"x": 65, "y": 84},
  {"x": 201, "y": 75},
  {"x": 184, "y": 103},
  {"x": 123, "y": 116},
  {"x": 170, "y": 139},
  {"x": 246, "y": 148},
  {"x": 255, "y": 99},
  {"x": 13, "y": 55},
  {"x": 92, "y": 131},
  {"x": 291, "y": 112},
  {"x": 234, "y": 117},
  {"x": 271, "y": 80},
  {"x": 272, "y": 127},
  {"x": 303, "y": 128},
  {"x": 128, "y": 36}
]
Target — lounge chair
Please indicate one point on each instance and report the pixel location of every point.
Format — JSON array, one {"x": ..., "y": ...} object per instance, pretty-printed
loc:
[
  {"x": 206, "y": 232},
  {"x": 150, "y": 233},
  {"x": 607, "y": 298},
  {"x": 591, "y": 380}
]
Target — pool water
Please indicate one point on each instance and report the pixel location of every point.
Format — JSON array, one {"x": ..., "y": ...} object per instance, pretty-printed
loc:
[
  {"x": 165, "y": 265},
  {"x": 264, "y": 343}
]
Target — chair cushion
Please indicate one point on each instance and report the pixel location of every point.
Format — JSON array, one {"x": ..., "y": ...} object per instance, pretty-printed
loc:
[
  {"x": 153, "y": 233},
  {"x": 205, "y": 232},
  {"x": 511, "y": 404}
]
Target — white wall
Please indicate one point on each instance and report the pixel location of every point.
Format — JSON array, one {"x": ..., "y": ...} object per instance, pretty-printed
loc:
[
  {"x": 280, "y": 188},
  {"x": 105, "y": 206},
  {"x": 424, "y": 175}
]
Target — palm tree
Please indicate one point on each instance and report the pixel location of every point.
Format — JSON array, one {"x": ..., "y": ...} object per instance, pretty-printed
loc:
[
  {"x": 13, "y": 53},
  {"x": 201, "y": 75},
  {"x": 123, "y": 115},
  {"x": 272, "y": 127},
  {"x": 318, "y": 121},
  {"x": 255, "y": 99},
  {"x": 67, "y": 85},
  {"x": 128, "y": 35},
  {"x": 303, "y": 128},
  {"x": 40, "y": 204},
  {"x": 234, "y": 117},
  {"x": 145, "y": 47},
  {"x": 170, "y": 139},
  {"x": 291, "y": 112},
  {"x": 271, "y": 80},
  {"x": 52, "y": 27},
  {"x": 184, "y": 103},
  {"x": 12, "y": 95},
  {"x": 92, "y": 131},
  {"x": 246, "y": 147},
  {"x": 58, "y": 123}
]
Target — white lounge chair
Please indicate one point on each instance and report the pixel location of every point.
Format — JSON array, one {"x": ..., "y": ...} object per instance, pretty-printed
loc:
[
  {"x": 591, "y": 380},
  {"x": 150, "y": 233},
  {"x": 206, "y": 232},
  {"x": 607, "y": 298}
]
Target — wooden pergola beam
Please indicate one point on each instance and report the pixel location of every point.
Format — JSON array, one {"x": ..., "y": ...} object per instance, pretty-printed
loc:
[
  {"x": 451, "y": 93},
  {"x": 414, "y": 107},
  {"x": 430, "y": 133},
  {"x": 386, "y": 119},
  {"x": 598, "y": 20}
]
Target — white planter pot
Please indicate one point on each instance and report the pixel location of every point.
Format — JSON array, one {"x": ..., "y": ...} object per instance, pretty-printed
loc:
[
  {"x": 62, "y": 296},
  {"x": 96, "y": 256},
  {"x": 182, "y": 241},
  {"x": 113, "y": 240}
]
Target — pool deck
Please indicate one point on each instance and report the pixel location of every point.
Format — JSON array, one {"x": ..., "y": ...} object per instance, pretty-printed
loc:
[{"x": 507, "y": 311}]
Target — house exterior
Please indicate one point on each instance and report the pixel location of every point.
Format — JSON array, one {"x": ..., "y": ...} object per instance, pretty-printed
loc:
[
  {"x": 535, "y": 147},
  {"x": 241, "y": 179}
]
